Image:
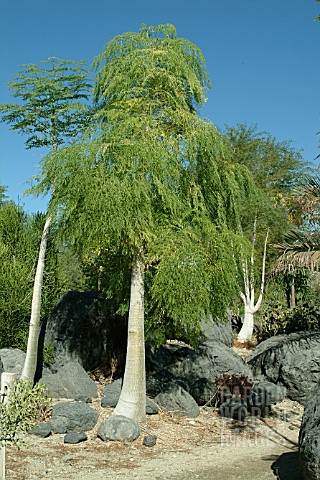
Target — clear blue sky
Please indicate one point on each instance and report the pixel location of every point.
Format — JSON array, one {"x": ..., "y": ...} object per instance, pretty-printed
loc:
[{"x": 262, "y": 57}]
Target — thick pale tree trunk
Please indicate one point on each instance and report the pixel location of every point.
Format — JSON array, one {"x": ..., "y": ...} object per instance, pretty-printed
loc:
[
  {"x": 132, "y": 401},
  {"x": 30, "y": 364},
  {"x": 250, "y": 307},
  {"x": 248, "y": 323}
]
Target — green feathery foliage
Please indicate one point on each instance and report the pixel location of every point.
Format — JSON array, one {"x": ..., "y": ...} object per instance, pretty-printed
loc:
[
  {"x": 141, "y": 176},
  {"x": 276, "y": 166},
  {"x": 51, "y": 109},
  {"x": 26, "y": 404},
  {"x": 19, "y": 239}
]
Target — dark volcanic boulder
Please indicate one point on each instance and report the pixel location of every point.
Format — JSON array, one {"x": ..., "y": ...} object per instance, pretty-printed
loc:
[
  {"x": 12, "y": 360},
  {"x": 218, "y": 330},
  {"x": 73, "y": 417},
  {"x": 80, "y": 329},
  {"x": 41, "y": 429},
  {"x": 157, "y": 360},
  {"x": 159, "y": 381},
  {"x": 175, "y": 399},
  {"x": 75, "y": 437},
  {"x": 290, "y": 360},
  {"x": 119, "y": 428},
  {"x": 111, "y": 394},
  {"x": 272, "y": 392},
  {"x": 210, "y": 363},
  {"x": 204, "y": 391},
  {"x": 70, "y": 381},
  {"x": 172, "y": 362},
  {"x": 309, "y": 438}
]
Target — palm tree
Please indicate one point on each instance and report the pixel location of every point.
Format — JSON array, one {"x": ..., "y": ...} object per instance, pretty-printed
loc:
[{"x": 301, "y": 248}]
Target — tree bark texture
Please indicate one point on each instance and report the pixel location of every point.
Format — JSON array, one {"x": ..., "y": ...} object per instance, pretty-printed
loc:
[
  {"x": 132, "y": 401},
  {"x": 30, "y": 364}
]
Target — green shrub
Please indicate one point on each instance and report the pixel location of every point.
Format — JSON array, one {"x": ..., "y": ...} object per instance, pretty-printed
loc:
[
  {"x": 25, "y": 405},
  {"x": 279, "y": 320}
]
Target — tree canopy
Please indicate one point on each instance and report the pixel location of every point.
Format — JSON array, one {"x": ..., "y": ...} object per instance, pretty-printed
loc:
[
  {"x": 51, "y": 109},
  {"x": 134, "y": 179},
  {"x": 276, "y": 166}
]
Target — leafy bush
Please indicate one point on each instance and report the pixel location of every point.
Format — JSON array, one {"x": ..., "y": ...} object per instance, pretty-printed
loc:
[
  {"x": 279, "y": 320},
  {"x": 25, "y": 405}
]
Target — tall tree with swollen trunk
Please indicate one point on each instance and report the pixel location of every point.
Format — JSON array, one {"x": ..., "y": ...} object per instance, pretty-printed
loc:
[
  {"x": 50, "y": 114},
  {"x": 251, "y": 306},
  {"x": 133, "y": 397},
  {"x": 129, "y": 188}
]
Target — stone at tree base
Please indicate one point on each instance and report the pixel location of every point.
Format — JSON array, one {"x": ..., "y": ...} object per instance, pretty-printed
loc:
[
  {"x": 203, "y": 391},
  {"x": 292, "y": 361},
  {"x": 151, "y": 407},
  {"x": 111, "y": 394},
  {"x": 309, "y": 437},
  {"x": 73, "y": 417},
  {"x": 41, "y": 429},
  {"x": 69, "y": 382},
  {"x": 118, "y": 428},
  {"x": 12, "y": 360},
  {"x": 75, "y": 437},
  {"x": 177, "y": 400},
  {"x": 149, "y": 440},
  {"x": 109, "y": 401}
]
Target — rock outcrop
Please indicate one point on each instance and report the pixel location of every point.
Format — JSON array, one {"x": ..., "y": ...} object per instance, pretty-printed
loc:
[{"x": 292, "y": 361}]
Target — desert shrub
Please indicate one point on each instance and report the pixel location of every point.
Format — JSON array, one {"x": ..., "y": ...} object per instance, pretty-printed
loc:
[
  {"x": 233, "y": 386},
  {"x": 26, "y": 404},
  {"x": 279, "y": 320}
]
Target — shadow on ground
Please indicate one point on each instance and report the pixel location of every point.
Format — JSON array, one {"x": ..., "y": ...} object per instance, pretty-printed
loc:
[{"x": 287, "y": 467}]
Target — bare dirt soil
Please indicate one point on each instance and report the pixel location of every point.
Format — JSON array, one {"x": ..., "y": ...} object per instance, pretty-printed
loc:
[{"x": 206, "y": 447}]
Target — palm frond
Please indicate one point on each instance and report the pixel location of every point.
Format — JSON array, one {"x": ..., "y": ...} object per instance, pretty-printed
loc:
[{"x": 300, "y": 250}]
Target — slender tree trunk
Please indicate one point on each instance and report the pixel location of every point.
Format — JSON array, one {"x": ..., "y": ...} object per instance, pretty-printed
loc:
[
  {"x": 132, "y": 401},
  {"x": 292, "y": 294},
  {"x": 30, "y": 364}
]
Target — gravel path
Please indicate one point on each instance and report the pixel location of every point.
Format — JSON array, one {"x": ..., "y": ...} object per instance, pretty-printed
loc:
[{"x": 207, "y": 447}]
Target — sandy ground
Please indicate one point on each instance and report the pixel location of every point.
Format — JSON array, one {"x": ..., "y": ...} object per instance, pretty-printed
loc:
[{"x": 207, "y": 447}]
